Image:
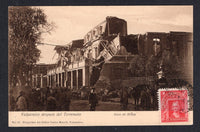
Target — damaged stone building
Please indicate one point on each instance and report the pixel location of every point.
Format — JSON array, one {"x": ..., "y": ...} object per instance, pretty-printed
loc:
[{"x": 104, "y": 54}]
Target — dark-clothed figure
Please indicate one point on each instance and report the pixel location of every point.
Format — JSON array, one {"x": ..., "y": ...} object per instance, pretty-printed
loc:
[
  {"x": 47, "y": 93},
  {"x": 154, "y": 95},
  {"x": 11, "y": 101},
  {"x": 93, "y": 101},
  {"x": 145, "y": 99},
  {"x": 136, "y": 93},
  {"x": 124, "y": 98},
  {"x": 160, "y": 83},
  {"x": 37, "y": 96},
  {"x": 57, "y": 94},
  {"x": 51, "y": 103},
  {"x": 65, "y": 100},
  {"x": 21, "y": 102}
]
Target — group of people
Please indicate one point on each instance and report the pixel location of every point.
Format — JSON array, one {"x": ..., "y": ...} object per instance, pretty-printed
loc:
[
  {"x": 58, "y": 100},
  {"x": 20, "y": 103},
  {"x": 62, "y": 101},
  {"x": 39, "y": 100},
  {"x": 53, "y": 100},
  {"x": 144, "y": 96}
]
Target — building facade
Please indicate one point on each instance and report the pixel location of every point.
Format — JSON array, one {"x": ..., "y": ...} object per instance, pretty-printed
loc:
[{"x": 106, "y": 51}]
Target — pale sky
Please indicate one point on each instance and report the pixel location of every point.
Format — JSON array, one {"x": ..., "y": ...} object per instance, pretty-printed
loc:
[{"x": 73, "y": 22}]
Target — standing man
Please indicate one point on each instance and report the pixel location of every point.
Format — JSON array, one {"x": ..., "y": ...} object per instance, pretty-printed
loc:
[
  {"x": 51, "y": 103},
  {"x": 93, "y": 101},
  {"x": 21, "y": 102},
  {"x": 124, "y": 98},
  {"x": 11, "y": 101},
  {"x": 65, "y": 100}
]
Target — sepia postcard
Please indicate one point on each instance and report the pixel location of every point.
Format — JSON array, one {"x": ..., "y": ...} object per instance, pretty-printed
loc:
[{"x": 100, "y": 65}]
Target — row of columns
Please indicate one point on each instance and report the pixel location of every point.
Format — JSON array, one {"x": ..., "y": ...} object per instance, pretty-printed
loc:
[
  {"x": 72, "y": 79},
  {"x": 38, "y": 81}
]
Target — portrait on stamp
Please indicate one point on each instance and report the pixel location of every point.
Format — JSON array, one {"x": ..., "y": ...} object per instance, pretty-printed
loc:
[{"x": 173, "y": 105}]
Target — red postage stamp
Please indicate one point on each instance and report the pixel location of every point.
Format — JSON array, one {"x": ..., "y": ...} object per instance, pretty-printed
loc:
[{"x": 173, "y": 105}]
